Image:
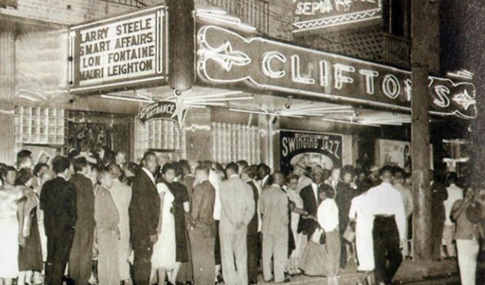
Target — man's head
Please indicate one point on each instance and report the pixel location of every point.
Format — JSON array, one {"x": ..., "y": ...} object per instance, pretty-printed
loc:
[
  {"x": 185, "y": 167},
  {"x": 387, "y": 174},
  {"x": 60, "y": 165},
  {"x": 120, "y": 157},
  {"x": 298, "y": 170},
  {"x": 201, "y": 173},
  {"x": 104, "y": 179},
  {"x": 80, "y": 165},
  {"x": 317, "y": 177},
  {"x": 232, "y": 169},
  {"x": 348, "y": 174},
  {"x": 399, "y": 177},
  {"x": 193, "y": 165},
  {"x": 374, "y": 171},
  {"x": 326, "y": 192},
  {"x": 278, "y": 178},
  {"x": 242, "y": 164},
  {"x": 150, "y": 161},
  {"x": 40, "y": 168},
  {"x": 248, "y": 173},
  {"x": 24, "y": 159},
  {"x": 335, "y": 173},
  {"x": 292, "y": 181},
  {"x": 10, "y": 176},
  {"x": 452, "y": 178},
  {"x": 24, "y": 177},
  {"x": 263, "y": 171},
  {"x": 114, "y": 170}
]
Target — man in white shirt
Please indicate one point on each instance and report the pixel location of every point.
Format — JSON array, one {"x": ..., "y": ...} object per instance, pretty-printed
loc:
[
  {"x": 389, "y": 227},
  {"x": 407, "y": 199},
  {"x": 455, "y": 193}
]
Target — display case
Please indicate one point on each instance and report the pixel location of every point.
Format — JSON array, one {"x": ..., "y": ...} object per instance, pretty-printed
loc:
[
  {"x": 159, "y": 135},
  {"x": 39, "y": 126},
  {"x": 232, "y": 142}
]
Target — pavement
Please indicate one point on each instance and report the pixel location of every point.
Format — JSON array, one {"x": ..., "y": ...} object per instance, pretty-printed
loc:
[{"x": 414, "y": 273}]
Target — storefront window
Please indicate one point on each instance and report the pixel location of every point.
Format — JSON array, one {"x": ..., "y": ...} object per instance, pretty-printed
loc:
[{"x": 232, "y": 142}]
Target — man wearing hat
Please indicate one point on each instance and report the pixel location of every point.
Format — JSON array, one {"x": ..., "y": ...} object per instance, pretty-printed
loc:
[{"x": 303, "y": 180}]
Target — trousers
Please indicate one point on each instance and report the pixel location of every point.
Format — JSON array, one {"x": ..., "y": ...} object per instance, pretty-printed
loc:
[
  {"x": 108, "y": 258},
  {"x": 387, "y": 253},
  {"x": 467, "y": 260},
  {"x": 275, "y": 246},
  {"x": 58, "y": 250},
  {"x": 234, "y": 257},
  {"x": 81, "y": 256},
  {"x": 253, "y": 253},
  {"x": 142, "y": 265},
  {"x": 448, "y": 238},
  {"x": 202, "y": 255}
]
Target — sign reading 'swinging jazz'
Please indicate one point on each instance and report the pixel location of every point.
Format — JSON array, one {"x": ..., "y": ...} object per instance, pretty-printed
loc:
[
  {"x": 227, "y": 59},
  {"x": 119, "y": 51},
  {"x": 311, "y": 16}
]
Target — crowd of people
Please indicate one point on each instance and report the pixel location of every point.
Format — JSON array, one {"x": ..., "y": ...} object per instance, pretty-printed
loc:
[{"x": 92, "y": 217}]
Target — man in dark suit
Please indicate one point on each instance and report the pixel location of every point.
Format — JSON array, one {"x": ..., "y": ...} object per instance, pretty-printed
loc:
[
  {"x": 439, "y": 194},
  {"x": 144, "y": 217},
  {"x": 58, "y": 201},
  {"x": 263, "y": 175},
  {"x": 247, "y": 175},
  {"x": 309, "y": 195},
  {"x": 202, "y": 226},
  {"x": 80, "y": 259}
]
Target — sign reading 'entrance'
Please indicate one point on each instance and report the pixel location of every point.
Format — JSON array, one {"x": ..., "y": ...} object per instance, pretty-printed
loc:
[
  {"x": 119, "y": 51},
  {"x": 157, "y": 110},
  {"x": 225, "y": 58}
]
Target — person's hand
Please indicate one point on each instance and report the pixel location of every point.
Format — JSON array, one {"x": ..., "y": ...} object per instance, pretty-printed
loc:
[
  {"x": 292, "y": 206},
  {"x": 401, "y": 244},
  {"x": 154, "y": 238},
  {"x": 21, "y": 241}
]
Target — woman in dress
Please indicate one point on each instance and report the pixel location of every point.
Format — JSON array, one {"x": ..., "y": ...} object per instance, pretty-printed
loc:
[
  {"x": 181, "y": 206},
  {"x": 362, "y": 222},
  {"x": 164, "y": 251},
  {"x": 324, "y": 259},
  {"x": 9, "y": 233},
  {"x": 30, "y": 251}
]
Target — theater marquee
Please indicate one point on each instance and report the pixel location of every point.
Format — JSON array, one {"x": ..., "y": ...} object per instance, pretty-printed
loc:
[
  {"x": 228, "y": 59},
  {"x": 120, "y": 51}
]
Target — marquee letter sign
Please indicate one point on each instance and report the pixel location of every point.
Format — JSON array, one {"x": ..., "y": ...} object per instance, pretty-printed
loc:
[
  {"x": 119, "y": 51},
  {"x": 227, "y": 59},
  {"x": 157, "y": 110},
  {"x": 311, "y": 16}
]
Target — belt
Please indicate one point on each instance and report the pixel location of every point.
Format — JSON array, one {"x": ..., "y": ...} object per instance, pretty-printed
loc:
[{"x": 384, "y": 216}]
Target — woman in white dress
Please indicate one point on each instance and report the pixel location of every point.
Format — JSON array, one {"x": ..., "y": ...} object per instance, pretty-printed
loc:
[
  {"x": 163, "y": 258},
  {"x": 9, "y": 235},
  {"x": 363, "y": 221}
]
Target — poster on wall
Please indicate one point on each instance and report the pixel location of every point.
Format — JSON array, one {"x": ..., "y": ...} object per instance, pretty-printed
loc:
[
  {"x": 396, "y": 153},
  {"x": 309, "y": 149}
]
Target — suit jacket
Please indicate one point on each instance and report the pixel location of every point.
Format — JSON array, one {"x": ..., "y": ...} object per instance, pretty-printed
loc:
[
  {"x": 438, "y": 197},
  {"x": 144, "y": 208},
  {"x": 274, "y": 210},
  {"x": 310, "y": 204},
  {"x": 202, "y": 211},
  {"x": 84, "y": 201},
  {"x": 189, "y": 184},
  {"x": 254, "y": 224},
  {"x": 238, "y": 206},
  {"x": 58, "y": 201}
]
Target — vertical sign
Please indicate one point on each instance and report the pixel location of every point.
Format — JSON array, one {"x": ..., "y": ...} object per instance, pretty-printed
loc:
[
  {"x": 316, "y": 16},
  {"x": 120, "y": 51},
  {"x": 309, "y": 149}
]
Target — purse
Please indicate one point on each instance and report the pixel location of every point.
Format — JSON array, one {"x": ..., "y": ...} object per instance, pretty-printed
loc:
[
  {"x": 319, "y": 236},
  {"x": 349, "y": 234}
]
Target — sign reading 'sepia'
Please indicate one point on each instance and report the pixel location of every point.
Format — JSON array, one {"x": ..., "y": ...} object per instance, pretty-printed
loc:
[
  {"x": 227, "y": 58},
  {"x": 119, "y": 51}
]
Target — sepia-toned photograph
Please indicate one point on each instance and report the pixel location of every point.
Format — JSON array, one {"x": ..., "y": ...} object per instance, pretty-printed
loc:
[{"x": 241, "y": 142}]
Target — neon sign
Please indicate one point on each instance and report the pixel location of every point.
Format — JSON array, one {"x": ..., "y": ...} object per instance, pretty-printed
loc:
[
  {"x": 228, "y": 59},
  {"x": 119, "y": 51},
  {"x": 324, "y": 15}
]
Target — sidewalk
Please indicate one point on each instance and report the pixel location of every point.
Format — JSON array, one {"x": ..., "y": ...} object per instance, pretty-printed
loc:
[{"x": 408, "y": 272}]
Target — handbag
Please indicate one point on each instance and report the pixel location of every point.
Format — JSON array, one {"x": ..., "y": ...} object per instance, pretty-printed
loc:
[
  {"x": 319, "y": 236},
  {"x": 349, "y": 234}
]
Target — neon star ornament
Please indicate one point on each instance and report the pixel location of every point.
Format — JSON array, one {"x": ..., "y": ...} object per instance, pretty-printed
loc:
[
  {"x": 180, "y": 107},
  {"x": 464, "y": 99}
]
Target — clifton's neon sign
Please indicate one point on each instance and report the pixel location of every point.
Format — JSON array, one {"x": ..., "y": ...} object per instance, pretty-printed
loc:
[{"x": 227, "y": 58}]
